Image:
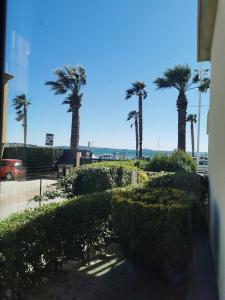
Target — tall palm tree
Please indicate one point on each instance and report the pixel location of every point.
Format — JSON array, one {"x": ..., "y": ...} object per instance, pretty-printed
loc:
[
  {"x": 192, "y": 119},
  {"x": 133, "y": 115},
  {"x": 180, "y": 77},
  {"x": 138, "y": 89},
  {"x": 21, "y": 104},
  {"x": 70, "y": 81}
]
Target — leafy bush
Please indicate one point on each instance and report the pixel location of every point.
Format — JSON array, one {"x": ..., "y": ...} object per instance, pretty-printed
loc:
[
  {"x": 65, "y": 184},
  {"x": 95, "y": 179},
  {"x": 189, "y": 182},
  {"x": 177, "y": 161},
  {"x": 99, "y": 177},
  {"x": 154, "y": 226},
  {"x": 143, "y": 163},
  {"x": 204, "y": 188},
  {"x": 37, "y": 242}
]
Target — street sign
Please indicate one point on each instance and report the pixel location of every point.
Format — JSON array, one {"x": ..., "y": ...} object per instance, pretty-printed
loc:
[{"x": 49, "y": 139}]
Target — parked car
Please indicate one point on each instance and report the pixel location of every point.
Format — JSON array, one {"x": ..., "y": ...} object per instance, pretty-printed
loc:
[
  {"x": 202, "y": 166},
  {"x": 11, "y": 169},
  {"x": 107, "y": 157}
]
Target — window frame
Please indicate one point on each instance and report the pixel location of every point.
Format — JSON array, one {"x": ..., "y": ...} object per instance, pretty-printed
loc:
[{"x": 3, "y": 4}]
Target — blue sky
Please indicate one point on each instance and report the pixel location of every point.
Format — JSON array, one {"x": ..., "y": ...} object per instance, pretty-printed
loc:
[{"x": 118, "y": 42}]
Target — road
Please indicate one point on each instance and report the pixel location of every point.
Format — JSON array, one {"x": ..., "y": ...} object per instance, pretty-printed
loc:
[{"x": 15, "y": 195}]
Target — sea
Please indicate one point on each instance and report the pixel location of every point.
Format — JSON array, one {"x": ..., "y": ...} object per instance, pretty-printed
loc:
[{"x": 129, "y": 153}]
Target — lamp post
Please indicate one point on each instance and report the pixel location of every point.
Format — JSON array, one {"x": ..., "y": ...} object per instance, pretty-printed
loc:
[{"x": 201, "y": 74}]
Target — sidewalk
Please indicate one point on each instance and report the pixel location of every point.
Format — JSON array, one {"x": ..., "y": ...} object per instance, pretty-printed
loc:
[{"x": 203, "y": 283}]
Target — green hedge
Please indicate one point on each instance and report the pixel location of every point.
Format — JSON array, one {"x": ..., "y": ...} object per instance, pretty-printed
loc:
[
  {"x": 33, "y": 156},
  {"x": 186, "y": 181},
  {"x": 154, "y": 226},
  {"x": 177, "y": 161},
  {"x": 99, "y": 177},
  {"x": 37, "y": 242}
]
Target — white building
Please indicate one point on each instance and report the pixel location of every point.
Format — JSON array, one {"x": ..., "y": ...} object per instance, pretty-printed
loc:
[{"x": 211, "y": 47}]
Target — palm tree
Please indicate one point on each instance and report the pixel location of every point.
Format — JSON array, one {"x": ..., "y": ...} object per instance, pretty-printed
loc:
[
  {"x": 134, "y": 115},
  {"x": 70, "y": 81},
  {"x": 138, "y": 89},
  {"x": 180, "y": 78},
  {"x": 192, "y": 119},
  {"x": 21, "y": 104}
]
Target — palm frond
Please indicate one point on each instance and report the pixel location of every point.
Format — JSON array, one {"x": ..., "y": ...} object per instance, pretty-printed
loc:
[
  {"x": 204, "y": 85},
  {"x": 162, "y": 83},
  {"x": 20, "y": 103},
  {"x": 129, "y": 93},
  {"x": 69, "y": 81},
  {"x": 191, "y": 118},
  {"x": 57, "y": 87},
  {"x": 137, "y": 88},
  {"x": 177, "y": 77},
  {"x": 132, "y": 114}
]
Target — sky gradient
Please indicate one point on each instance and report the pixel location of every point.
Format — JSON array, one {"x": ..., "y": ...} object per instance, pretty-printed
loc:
[{"x": 118, "y": 42}]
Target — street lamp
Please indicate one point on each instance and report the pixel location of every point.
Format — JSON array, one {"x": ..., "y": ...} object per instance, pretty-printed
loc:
[{"x": 201, "y": 73}]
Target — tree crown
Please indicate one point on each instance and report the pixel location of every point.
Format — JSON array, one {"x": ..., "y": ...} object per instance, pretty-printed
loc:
[
  {"x": 20, "y": 102},
  {"x": 192, "y": 118},
  {"x": 137, "y": 89},
  {"x": 180, "y": 77},
  {"x": 70, "y": 81}
]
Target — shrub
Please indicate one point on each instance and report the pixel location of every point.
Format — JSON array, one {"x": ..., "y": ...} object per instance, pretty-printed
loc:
[
  {"x": 142, "y": 164},
  {"x": 177, "y": 161},
  {"x": 189, "y": 182},
  {"x": 154, "y": 227},
  {"x": 90, "y": 180},
  {"x": 99, "y": 177},
  {"x": 33, "y": 156},
  {"x": 65, "y": 184},
  {"x": 37, "y": 242}
]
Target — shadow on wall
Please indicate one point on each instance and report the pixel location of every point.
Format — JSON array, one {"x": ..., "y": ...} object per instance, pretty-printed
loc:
[{"x": 215, "y": 232}]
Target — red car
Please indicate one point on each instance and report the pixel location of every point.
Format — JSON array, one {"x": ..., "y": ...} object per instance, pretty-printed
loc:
[{"x": 12, "y": 169}]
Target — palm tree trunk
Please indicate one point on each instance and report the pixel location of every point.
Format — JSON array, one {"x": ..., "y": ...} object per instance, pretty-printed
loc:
[
  {"x": 25, "y": 126},
  {"x": 136, "y": 135},
  {"x": 192, "y": 139},
  {"x": 74, "y": 141},
  {"x": 140, "y": 125},
  {"x": 182, "y": 112}
]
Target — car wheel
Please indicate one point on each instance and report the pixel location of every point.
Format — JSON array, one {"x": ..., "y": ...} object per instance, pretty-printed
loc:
[{"x": 8, "y": 176}]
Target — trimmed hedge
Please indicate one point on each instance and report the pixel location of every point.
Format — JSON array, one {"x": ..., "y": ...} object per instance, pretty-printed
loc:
[
  {"x": 99, "y": 177},
  {"x": 177, "y": 161},
  {"x": 189, "y": 182},
  {"x": 33, "y": 156},
  {"x": 37, "y": 242},
  {"x": 154, "y": 227}
]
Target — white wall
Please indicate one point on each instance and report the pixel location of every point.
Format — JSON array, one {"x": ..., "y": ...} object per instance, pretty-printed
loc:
[{"x": 216, "y": 128}]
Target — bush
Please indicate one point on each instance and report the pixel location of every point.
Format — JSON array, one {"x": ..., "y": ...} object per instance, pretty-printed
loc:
[
  {"x": 37, "y": 242},
  {"x": 65, "y": 184},
  {"x": 99, "y": 177},
  {"x": 33, "y": 156},
  {"x": 154, "y": 226},
  {"x": 177, "y": 161},
  {"x": 189, "y": 182}
]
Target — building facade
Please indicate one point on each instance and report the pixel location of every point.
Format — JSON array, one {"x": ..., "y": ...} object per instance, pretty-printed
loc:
[{"x": 211, "y": 47}]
